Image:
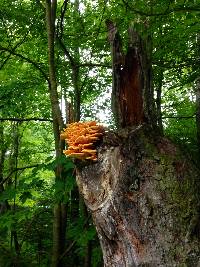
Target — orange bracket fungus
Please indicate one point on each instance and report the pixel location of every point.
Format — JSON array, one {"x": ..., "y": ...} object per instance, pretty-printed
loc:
[{"x": 80, "y": 137}]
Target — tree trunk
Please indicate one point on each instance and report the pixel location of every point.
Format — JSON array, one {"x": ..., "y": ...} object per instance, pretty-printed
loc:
[
  {"x": 144, "y": 200},
  {"x": 198, "y": 115},
  {"x": 59, "y": 224},
  {"x": 143, "y": 193},
  {"x": 158, "y": 98},
  {"x": 3, "y": 204},
  {"x": 198, "y": 100}
]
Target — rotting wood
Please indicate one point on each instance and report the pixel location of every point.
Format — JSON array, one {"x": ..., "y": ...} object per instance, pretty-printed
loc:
[{"x": 128, "y": 76}]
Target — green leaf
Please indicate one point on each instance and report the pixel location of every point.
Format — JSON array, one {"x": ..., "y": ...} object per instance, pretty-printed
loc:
[{"x": 24, "y": 196}]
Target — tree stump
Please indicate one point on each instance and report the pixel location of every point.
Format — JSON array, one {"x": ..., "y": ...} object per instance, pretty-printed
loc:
[{"x": 144, "y": 199}]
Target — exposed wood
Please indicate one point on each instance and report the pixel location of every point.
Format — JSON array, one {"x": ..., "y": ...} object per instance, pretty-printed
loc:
[
  {"x": 144, "y": 198},
  {"x": 132, "y": 93}
]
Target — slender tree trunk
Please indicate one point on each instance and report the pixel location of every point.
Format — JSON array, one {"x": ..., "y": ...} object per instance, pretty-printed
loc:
[
  {"x": 16, "y": 154},
  {"x": 59, "y": 224},
  {"x": 198, "y": 115},
  {"x": 88, "y": 255},
  {"x": 51, "y": 7},
  {"x": 3, "y": 204},
  {"x": 198, "y": 100},
  {"x": 14, "y": 165},
  {"x": 74, "y": 114},
  {"x": 56, "y": 235},
  {"x": 159, "y": 85},
  {"x": 77, "y": 93},
  {"x": 158, "y": 99}
]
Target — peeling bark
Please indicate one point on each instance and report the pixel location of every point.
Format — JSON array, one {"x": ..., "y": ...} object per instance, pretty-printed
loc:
[{"x": 144, "y": 200}]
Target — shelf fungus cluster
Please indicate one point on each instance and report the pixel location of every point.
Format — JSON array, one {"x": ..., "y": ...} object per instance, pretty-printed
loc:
[{"x": 81, "y": 137}]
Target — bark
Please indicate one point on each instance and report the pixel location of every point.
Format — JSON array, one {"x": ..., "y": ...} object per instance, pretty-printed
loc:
[{"x": 144, "y": 200}]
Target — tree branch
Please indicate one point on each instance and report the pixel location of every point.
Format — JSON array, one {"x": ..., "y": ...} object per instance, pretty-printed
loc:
[
  {"x": 18, "y": 169},
  {"x": 90, "y": 64},
  {"x": 75, "y": 241},
  {"x": 66, "y": 52},
  {"x": 5, "y": 61},
  {"x": 166, "y": 12},
  {"x": 25, "y": 119},
  {"x": 179, "y": 117},
  {"x": 62, "y": 15},
  {"x": 11, "y": 51}
]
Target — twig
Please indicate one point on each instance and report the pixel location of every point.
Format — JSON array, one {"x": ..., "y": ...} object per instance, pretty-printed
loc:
[
  {"x": 18, "y": 169},
  {"x": 25, "y": 119},
  {"x": 166, "y": 12},
  {"x": 11, "y": 51},
  {"x": 179, "y": 117},
  {"x": 74, "y": 242}
]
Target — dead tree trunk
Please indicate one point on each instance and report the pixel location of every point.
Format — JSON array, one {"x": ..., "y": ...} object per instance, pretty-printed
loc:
[
  {"x": 132, "y": 90},
  {"x": 142, "y": 192},
  {"x": 143, "y": 196}
]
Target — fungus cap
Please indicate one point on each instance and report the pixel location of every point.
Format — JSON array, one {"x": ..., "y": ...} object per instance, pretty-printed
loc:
[{"x": 81, "y": 137}]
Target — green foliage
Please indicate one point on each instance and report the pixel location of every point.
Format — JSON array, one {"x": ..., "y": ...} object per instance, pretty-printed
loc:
[{"x": 29, "y": 193}]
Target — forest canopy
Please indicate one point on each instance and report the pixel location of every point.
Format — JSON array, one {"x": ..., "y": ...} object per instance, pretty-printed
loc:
[{"x": 56, "y": 68}]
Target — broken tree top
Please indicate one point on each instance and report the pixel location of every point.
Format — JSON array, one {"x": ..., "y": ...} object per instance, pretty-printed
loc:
[{"x": 80, "y": 138}]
